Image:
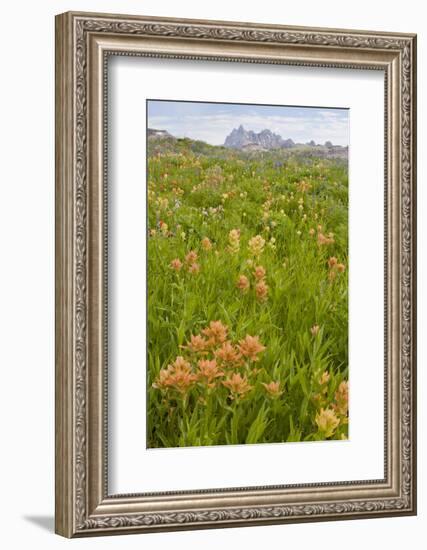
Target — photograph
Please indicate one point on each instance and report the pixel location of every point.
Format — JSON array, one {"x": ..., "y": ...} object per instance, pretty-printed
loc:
[
  {"x": 247, "y": 273},
  {"x": 235, "y": 272}
]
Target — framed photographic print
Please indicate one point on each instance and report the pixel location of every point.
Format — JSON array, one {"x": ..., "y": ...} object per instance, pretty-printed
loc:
[{"x": 235, "y": 274}]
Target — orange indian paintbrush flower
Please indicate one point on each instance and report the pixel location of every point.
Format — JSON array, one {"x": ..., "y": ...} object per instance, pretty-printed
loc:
[
  {"x": 273, "y": 388},
  {"x": 237, "y": 384},
  {"x": 178, "y": 376},
  {"x": 250, "y": 347},
  {"x": 228, "y": 354},
  {"x": 323, "y": 240},
  {"x": 176, "y": 264},
  {"x": 206, "y": 243},
  {"x": 197, "y": 343},
  {"x": 191, "y": 257},
  {"x": 194, "y": 269},
  {"x": 261, "y": 289},
  {"x": 216, "y": 332},
  {"x": 332, "y": 262},
  {"x": 209, "y": 371},
  {"x": 259, "y": 273},
  {"x": 243, "y": 283}
]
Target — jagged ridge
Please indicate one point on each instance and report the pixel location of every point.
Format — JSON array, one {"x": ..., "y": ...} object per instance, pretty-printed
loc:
[{"x": 240, "y": 138}]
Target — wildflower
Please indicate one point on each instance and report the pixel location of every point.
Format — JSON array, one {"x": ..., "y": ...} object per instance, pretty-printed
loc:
[
  {"x": 178, "y": 376},
  {"x": 228, "y": 354},
  {"x": 163, "y": 203},
  {"x": 153, "y": 232},
  {"x": 162, "y": 382},
  {"x": 341, "y": 398},
  {"x": 324, "y": 379},
  {"x": 214, "y": 176},
  {"x": 334, "y": 268},
  {"x": 256, "y": 245},
  {"x": 273, "y": 389},
  {"x": 183, "y": 235},
  {"x": 327, "y": 422},
  {"x": 164, "y": 228},
  {"x": 311, "y": 232},
  {"x": 243, "y": 283},
  {"x": 237, "y": 384},
  {"x": 261, "y": 289},
  {"x": 176, "y": 264},
  {"x": 181, "y": 364},
  {"x": 194, "y": 269},
  {"x": 323, "y": 240},
  {"x": 303, "y": 186},
  {"x": 216, "y": 332},
  {"x": 206, "y": 244},
  {"x": 259, "y": 273},
  {"x": 208, "y": 371},
  {"x": 197, "y": 343},
  {"x": 234, "y": 241},
  {"x": 298, "y": 233},
  {"x": 182, "y": 380},
  {"x": 191, "y": 257},
  {"x": 250, "y": 347},
  {"x": 315, "y": 330}
]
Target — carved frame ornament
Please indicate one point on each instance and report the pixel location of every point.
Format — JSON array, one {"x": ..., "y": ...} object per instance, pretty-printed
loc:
[{"x": 83, "y": 43}]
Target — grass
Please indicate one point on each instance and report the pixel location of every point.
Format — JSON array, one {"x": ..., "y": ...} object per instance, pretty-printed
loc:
[{"x": 205, "y": 206}]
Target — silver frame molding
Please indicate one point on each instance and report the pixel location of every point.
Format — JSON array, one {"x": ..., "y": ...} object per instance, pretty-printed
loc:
[{"x": 84, "y": 42}]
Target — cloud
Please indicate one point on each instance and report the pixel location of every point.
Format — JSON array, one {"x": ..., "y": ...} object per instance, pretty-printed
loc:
[{"x": 318, "y": 124}]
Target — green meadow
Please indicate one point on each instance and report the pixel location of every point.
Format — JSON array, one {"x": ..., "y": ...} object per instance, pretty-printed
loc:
[{"x": 247, "y": 296}]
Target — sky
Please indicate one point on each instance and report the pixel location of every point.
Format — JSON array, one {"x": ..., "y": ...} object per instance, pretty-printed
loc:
[{"x": 212, "y": 122}]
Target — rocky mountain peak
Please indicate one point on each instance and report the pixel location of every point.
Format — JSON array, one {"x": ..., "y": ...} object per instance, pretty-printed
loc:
[{"x": 239, "y": 138}]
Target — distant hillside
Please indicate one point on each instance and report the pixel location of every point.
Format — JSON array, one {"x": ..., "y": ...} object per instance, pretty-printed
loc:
[
  {"x": 158, "y": 134},
  {"x": 161, "y": 142}
]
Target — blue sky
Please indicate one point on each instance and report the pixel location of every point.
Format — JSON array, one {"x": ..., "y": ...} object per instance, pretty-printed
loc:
[{"x": 212, "y": 122}]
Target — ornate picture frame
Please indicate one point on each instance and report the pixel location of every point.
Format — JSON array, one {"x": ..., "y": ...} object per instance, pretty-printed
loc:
[{"x": 84, "y": 42}]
